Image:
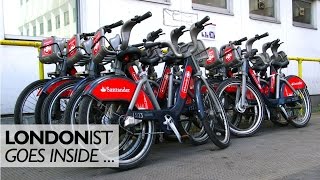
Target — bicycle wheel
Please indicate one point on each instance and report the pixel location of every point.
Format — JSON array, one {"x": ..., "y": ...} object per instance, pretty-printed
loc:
[
  {"x": 55, "y": 104},
  {"x": 134, "y": 143},
  {"x": 71, "y": 113},
  {"x": 300, "y": 112},
  {"x": 24, "y": 109},
  {"x": 246, "y": 122},
  {"x": 215, "y": 121}
]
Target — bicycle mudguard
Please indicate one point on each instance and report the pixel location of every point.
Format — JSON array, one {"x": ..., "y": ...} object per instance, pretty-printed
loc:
[
  {"x": 296, "y": 82},
  {"x": 81, "y": 83},
  {"x": 117, "y": 88},
  {"x": 55, "y": 83}
]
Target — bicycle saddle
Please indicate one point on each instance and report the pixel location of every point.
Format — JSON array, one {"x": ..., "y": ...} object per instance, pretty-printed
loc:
[
  {"x": 150, "y": 57},
  {"x": 281, "y": 61},
  {"x": 130, "y": 54},
  {"x": 260, "y": 62}
]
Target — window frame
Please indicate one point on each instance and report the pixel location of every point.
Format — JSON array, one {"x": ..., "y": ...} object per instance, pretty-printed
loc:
[
  {"x": 41, "y": 30},
  {"x": 226, "y": 11},
  {"x": 66, "y": 21},
  {"x": 58, "y": 23},
  {"x": 158, "y": 1},
  {"x": 49, "y": 20},
  {"x": 275, "y": 19},
  {"x": 40, "y": 38},
  {"x": 313, "y": 24}
]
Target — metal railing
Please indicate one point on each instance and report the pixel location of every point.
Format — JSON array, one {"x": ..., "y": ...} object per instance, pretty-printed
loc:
[
  {"x": 35, "y": 44},
  {"x": 300, "y": 60}
]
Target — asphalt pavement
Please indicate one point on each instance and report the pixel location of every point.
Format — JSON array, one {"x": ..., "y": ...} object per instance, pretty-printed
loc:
[{"x": 285, "y": 153}]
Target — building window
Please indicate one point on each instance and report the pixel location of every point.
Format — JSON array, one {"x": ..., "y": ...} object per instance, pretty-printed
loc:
[
  {"x": 41, "y": 28},
  {"x": 28, "y": 32},
  {"x": 265, "y": 10},
  {"x": 218, "y": 6},
  {"x": 21, "y": 33},
  {"x": 52, "y": 15},
  {"x": 34, "y": 31},
  {"x": 74, "y": 15},
  {"x": 49, "y": 25},
  {"x": 303, "y": 13},
  {"x": 58, "y": 22},
  {"x": 66, "y": 18}
]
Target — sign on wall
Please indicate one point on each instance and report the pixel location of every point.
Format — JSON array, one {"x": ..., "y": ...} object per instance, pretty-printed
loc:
[
  {"x": 208, "y": 33},
  {"x": 177, "y": 18}
]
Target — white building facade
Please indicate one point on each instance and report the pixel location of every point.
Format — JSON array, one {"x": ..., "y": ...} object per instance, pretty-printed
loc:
[{"x": 295, "y": 22}]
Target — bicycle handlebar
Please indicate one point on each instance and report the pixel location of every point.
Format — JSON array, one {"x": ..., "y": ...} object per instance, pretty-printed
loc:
[
  {"x": 238, "y": 42},
  {"x": 176, "y": 34},
  {"x": 179, "y": 30},
  {"x": 138, "y": 19},
  {"x": 267, "y": 45},
  {"x": 195, "y": 30},
  {"x": 152, "y": 36},
  {"x": 127, "y": 27},
  {"x": 107, "y": 28},
  {"x": 85, "y": 35},
  {"x": 202, "y": 21},
  {"x": 274, "y": 47},
  {"x": 252, "y": 40},
  {"x": 263, "y": 35}
]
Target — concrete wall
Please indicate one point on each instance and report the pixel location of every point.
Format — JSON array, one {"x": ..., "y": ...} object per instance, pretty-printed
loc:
[{"x": 19, "y": 65}]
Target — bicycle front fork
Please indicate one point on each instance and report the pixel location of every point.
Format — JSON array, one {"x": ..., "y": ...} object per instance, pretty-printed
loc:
[{"x": 241, "y": 103}]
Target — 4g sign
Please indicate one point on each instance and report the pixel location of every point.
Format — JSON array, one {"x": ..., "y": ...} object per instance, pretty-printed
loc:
[{"x": 208, "y": 33}]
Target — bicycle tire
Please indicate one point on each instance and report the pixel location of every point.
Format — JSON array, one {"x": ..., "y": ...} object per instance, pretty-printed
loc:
[
  {"x": 26, "y": 92},
  {"x": 48, "y": 104},
  {"x": 306, "y": 118},
  {"x": 257, "y": 122},
  {"x": 139, "y": 151},
  {"x": 214, "y": 120}
]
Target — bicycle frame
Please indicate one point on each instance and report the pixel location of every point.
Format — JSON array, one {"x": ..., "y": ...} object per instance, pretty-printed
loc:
[
  {"x": 169, "y": 116},
  {"x": 283, "y": 88}
]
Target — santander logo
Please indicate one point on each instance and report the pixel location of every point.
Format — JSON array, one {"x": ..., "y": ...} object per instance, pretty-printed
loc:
[
  {"x": 296, "y": 83},
  {"x": 211, "y": 56},
  {"x": 186, "y": 81},
  {"x": 115, "y": 90},
  {"x": 47, "y": 50},
  {"x": 228, "y": 57}
]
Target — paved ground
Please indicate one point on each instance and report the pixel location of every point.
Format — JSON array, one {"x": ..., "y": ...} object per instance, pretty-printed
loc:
[{"x": 274, "y": 153}]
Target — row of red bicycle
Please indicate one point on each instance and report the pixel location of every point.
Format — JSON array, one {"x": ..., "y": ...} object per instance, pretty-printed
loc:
[{"x": 120, "y": 86}]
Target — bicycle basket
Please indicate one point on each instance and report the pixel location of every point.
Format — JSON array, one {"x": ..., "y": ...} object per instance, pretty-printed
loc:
[
  {"x": 77, "y": 52},
  {"x": 231, "y": 56},
  {"x": 99, "y": 48},
  {"x": 211, "y": 59},
  {"x": 51, "y": 50}
]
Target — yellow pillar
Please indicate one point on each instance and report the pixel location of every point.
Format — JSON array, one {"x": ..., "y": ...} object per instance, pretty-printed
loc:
[
  {"x": 300, "y": 67},
  {"x": 41, "y": 69}
]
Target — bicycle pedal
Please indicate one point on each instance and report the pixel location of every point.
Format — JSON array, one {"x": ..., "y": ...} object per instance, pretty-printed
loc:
[
  {"x": 130, "y": 121},
  {"x": 185, "y": 136},
  {"x": 169, "y": 121},
  {"x": 292, "y": 117}
]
